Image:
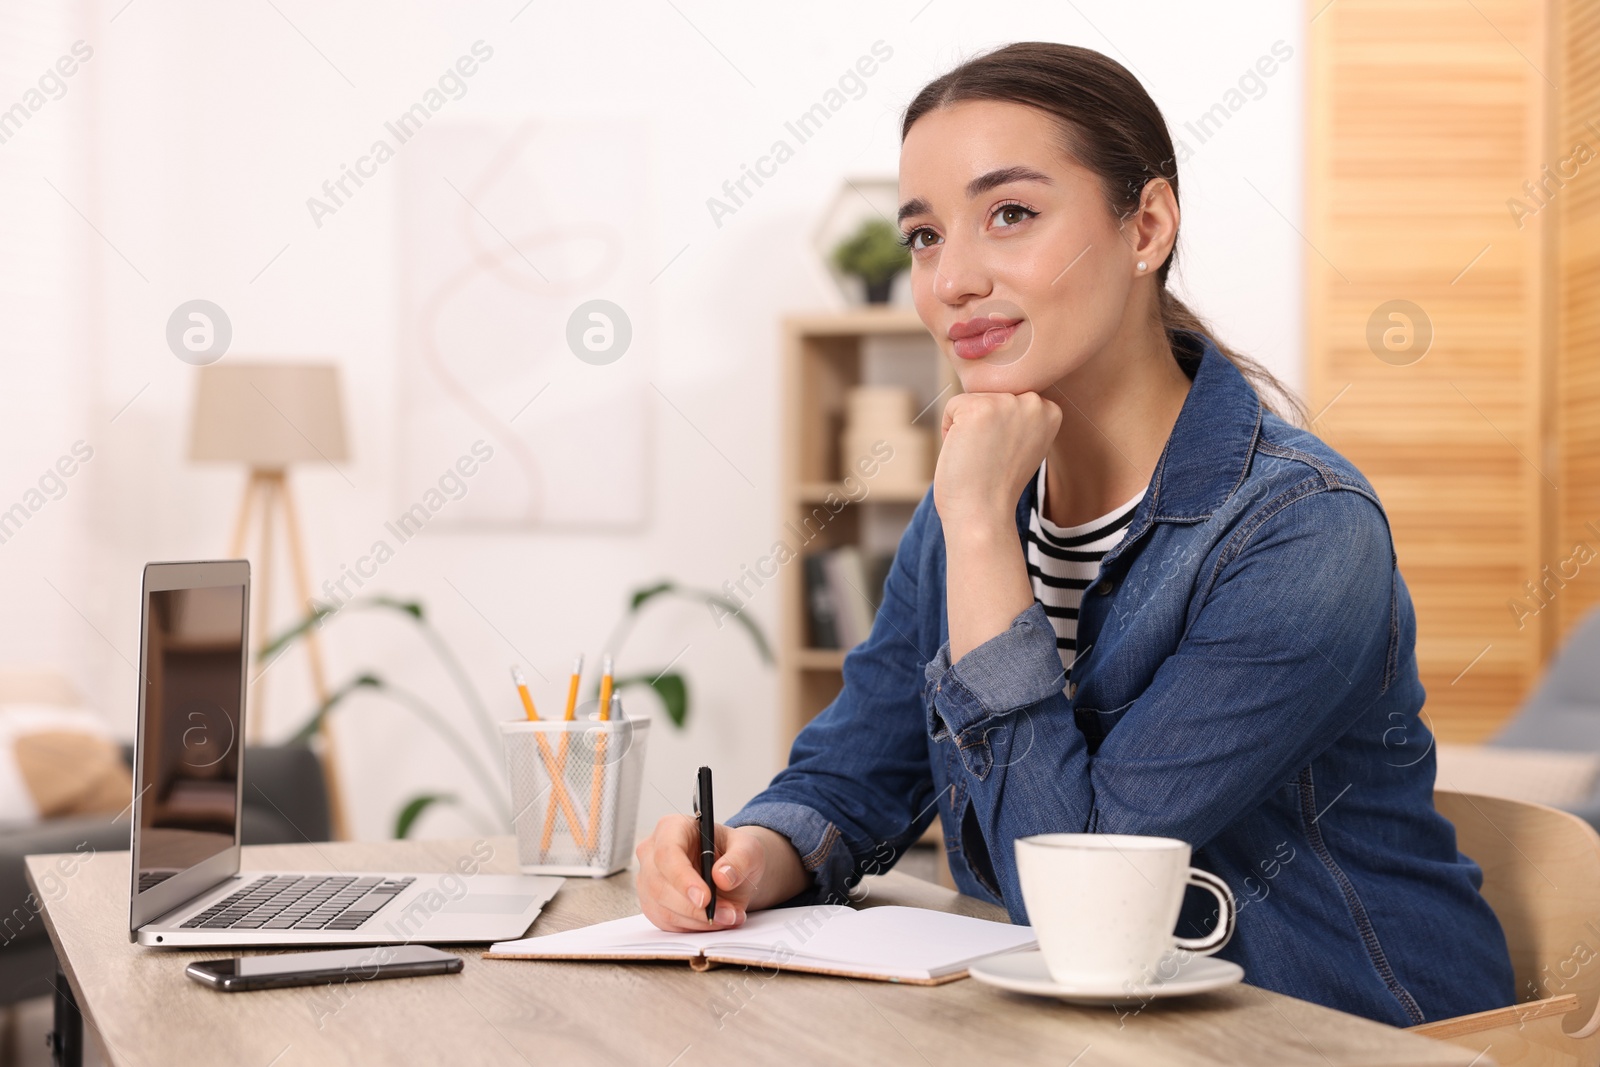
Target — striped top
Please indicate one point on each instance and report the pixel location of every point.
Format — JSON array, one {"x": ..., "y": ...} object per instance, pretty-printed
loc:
[{"x": 1064, "y": 560}]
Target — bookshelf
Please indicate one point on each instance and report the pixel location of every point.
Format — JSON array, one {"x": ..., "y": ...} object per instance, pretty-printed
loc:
[{"x": 824, "y": 356}]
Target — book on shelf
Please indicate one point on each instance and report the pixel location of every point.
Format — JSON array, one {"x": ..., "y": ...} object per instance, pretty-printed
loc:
[
  {"x": 844, "y": 587},
  {"x": 819, "y": 604}
]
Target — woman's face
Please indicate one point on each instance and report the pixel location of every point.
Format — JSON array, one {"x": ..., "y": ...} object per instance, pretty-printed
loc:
[{"x": 1019, "y": 269}]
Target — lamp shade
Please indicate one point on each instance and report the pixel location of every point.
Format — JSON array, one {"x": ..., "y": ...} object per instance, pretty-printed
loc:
[{"x": 268, "y": 414}]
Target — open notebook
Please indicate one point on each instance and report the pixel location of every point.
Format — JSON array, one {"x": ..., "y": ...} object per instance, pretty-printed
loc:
[{"x": 888, "y": 943}]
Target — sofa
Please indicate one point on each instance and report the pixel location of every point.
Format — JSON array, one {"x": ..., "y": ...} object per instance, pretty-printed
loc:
[{"x": 1562, "y": 715}]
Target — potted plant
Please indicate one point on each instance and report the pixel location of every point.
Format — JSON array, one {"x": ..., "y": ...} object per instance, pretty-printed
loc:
[
  {"x": 875, "y": 255},
  {"x": 669, "y": 685}
]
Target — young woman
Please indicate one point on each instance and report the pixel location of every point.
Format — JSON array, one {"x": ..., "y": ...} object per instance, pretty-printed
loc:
[{"x": 1136, "y": 600}]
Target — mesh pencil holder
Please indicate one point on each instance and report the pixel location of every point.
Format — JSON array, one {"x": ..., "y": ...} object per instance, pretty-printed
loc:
[{"x": 575, "y": 792}]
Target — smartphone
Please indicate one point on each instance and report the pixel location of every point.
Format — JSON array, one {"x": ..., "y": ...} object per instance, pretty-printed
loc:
[{"x": 327, "y": 967}]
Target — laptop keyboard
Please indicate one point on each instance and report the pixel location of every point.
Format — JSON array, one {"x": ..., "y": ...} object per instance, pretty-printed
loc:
[{"x": 301, "y": 902}]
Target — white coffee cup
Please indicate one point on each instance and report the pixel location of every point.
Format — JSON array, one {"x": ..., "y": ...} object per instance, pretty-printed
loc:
[{"x": 1104, "y": 905}]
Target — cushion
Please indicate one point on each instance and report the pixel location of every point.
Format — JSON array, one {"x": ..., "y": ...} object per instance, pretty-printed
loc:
[{"x": 58, "y": 761}]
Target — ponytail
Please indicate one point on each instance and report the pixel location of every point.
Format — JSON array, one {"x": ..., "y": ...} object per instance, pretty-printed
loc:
[{"x": 1277, "y": 397}]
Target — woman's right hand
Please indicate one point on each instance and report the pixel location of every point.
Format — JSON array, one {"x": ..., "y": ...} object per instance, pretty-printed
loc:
[
  {"x": 755, "y": 868},
  {"x": 992, "y": 446}
]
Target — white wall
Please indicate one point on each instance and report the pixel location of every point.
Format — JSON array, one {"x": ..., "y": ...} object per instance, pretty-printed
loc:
[
  {"x": 201, "y": 129},
  {"x": 44, "y": 403}
]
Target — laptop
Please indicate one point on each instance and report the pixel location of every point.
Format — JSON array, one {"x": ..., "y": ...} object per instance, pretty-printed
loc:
[{"x": 189, "y": 785}]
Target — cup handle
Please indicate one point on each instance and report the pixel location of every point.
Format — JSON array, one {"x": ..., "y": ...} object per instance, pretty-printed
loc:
[{"x": 1227, "y": 915}]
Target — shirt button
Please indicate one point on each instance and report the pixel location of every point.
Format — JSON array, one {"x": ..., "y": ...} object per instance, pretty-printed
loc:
[
  {"x": 1072, "y": 690},
  {"x": 1103, "y": 587}
]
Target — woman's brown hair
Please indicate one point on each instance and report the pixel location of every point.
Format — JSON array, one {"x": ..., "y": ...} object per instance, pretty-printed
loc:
[{"x": 1110, "y": 125}]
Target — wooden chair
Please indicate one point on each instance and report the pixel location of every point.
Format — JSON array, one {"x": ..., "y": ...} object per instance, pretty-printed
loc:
[{"x": 1541, "y": 874}]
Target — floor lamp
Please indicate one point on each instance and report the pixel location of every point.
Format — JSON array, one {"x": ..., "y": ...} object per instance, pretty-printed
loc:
[{"x": 269, "y": 416}]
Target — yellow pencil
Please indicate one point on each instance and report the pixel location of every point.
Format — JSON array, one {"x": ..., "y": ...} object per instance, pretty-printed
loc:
[
  {"x": 597, "y": 776},
  {"x": 572, "y": 689},
  {"x": 605, "y": 690},
  {"x": 552, "y": 766},
  {"x": 522, "y": 691},
  {"x": 561, "y": 762}
]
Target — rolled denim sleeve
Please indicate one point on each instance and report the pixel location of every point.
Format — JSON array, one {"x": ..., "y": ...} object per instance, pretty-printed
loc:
[
  {"x": 817, "y": 840},
  {"x": 859, "y": 789},
  {"x": 1010, "y": 671}
]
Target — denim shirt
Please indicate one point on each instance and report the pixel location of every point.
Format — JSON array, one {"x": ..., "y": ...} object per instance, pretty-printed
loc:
[{"x": 1247, "y": 682}]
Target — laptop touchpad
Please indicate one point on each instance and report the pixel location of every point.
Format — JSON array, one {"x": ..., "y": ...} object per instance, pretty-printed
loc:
[{"x": 489, "y": 904}]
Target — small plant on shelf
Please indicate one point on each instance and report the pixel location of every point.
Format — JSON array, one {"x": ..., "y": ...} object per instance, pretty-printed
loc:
[{"x": 875, "y": 255}]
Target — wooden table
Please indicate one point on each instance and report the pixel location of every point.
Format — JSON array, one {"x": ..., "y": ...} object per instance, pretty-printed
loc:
[{"x": 658, "y": 1014}]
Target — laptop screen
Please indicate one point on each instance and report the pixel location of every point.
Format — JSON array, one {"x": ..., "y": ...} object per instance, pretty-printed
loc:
[{"x": 194, "y": 663}]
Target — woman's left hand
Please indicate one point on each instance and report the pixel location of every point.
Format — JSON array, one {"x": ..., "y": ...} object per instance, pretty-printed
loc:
[{"x": 993, "y": 443}]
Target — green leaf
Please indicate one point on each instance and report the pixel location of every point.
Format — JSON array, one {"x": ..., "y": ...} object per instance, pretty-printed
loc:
[
  {"x": 670, "y": 686},
  {"x": 320, "y": 612},
  {"x": 409, "y": 607},
  {"x": 736, "y": 611},
  {"x": 731, "y": 608},
  {"x": 313, "y": 724},
  {"x": 415, "y": 807},
  {"x": 312, "y": 619},
  {"x": 650, "y": 592}
]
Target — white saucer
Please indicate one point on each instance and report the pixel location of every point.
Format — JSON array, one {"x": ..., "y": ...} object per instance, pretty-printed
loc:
[{"x": 1025, "y": 972}]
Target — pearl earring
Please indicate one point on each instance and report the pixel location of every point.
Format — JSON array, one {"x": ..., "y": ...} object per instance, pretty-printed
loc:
[{"x": 1141, "y": 264}]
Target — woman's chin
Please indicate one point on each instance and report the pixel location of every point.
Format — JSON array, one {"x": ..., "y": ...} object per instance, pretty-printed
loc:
[{"x": 983, "y": 376}]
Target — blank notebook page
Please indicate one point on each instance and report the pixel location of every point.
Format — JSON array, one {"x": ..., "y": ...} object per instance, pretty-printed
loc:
[
  {"x": 903, "y": 942},
  {"x": 907, "y": 942}
]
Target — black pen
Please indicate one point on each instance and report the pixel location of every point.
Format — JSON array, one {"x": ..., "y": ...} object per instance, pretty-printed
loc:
[{"x": 708, "y": 838}]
